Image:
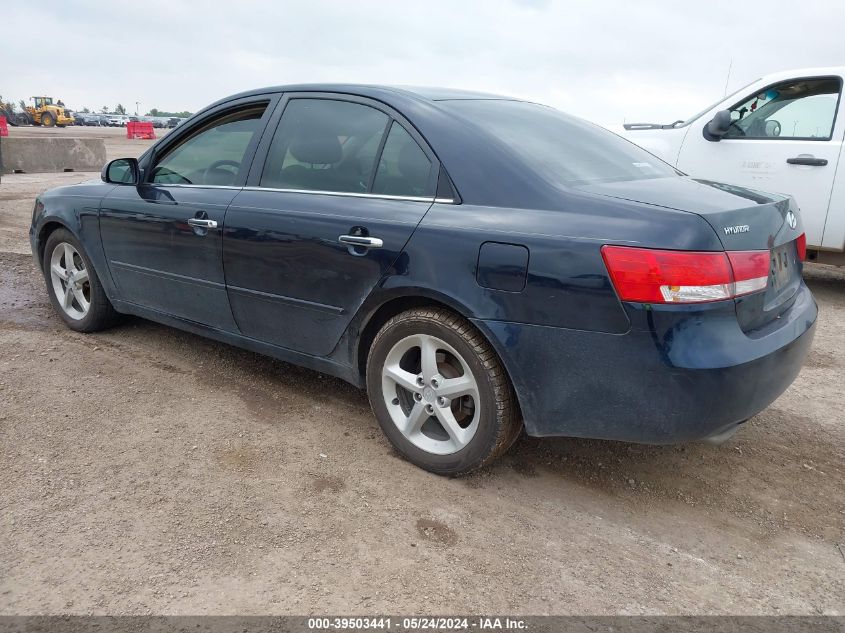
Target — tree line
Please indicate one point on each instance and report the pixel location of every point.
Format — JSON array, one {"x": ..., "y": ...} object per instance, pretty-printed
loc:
[{"x": 118, "y": 109}]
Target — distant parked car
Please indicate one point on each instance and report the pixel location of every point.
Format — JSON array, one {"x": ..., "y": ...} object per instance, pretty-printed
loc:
[
  {"x": 85, "y": 118},
  {"x": 173, "y": 122}
]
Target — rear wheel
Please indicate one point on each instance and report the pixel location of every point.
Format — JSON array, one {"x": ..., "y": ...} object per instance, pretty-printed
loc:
[
  {"x": 47, "y": 120},
  {"x": 75, "y": 290},
  {"x": 440, "y": 393}
]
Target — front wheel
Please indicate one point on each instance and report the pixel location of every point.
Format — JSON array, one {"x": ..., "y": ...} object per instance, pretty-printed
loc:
[
  {"x": 75, "y": 290},
  {"x": 440, "y": 393},
  {"x": 47, "y": 120}
]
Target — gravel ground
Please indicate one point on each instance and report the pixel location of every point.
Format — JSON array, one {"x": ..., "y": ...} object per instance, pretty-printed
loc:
[{"x": 146, "y": 470}]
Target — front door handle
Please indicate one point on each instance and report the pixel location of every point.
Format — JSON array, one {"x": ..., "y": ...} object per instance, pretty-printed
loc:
[
  {"x": 359, "y": 240},
  {"x": 807, "y": 160},
  {"x": 202, "y": 223}
]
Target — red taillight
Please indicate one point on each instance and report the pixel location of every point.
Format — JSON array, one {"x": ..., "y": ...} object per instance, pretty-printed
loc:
[
  {"x": 801, "y": 246},
  {"x": 653, "y": 276},
  {"x": 751, "y": 270}
]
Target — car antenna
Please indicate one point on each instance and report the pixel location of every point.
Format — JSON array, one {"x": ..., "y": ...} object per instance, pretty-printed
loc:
[{"x": 728, "y": 78}]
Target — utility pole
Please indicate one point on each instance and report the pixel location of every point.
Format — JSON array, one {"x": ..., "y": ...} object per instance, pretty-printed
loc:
[{"x": 136, "y": 107}]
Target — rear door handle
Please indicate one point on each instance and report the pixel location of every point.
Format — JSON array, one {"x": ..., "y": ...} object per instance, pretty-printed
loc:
[
  {"x": 807, "y": 160},
  {"x": 202, "y": 223},
  {"x": 358, "y": 240}
]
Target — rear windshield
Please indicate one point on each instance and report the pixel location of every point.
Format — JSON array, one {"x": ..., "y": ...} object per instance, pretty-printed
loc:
[{"x": 564, "y": 150}]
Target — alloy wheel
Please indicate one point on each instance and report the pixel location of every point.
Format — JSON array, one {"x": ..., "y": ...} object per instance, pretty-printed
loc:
[
  {"x": 431, "y": 394},
  {"x": 70, "y": 281}
]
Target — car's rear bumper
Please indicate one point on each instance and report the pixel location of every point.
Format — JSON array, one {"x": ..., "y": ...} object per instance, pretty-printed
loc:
[{"x": 680, "y": 373}]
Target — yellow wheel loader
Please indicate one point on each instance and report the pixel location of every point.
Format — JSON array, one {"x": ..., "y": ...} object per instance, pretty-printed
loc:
[{"x": 47, "y": 114}]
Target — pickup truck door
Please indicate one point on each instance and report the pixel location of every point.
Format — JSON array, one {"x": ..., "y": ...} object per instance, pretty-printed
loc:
[{"x": 786, "y": 138}]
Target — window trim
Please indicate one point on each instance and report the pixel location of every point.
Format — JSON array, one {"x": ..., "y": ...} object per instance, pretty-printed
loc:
[
  {"x": 790, "y": 138},
  {"x": 433, "y": 179},
  {"x": 377, "y": 196},
  {"x": 262, "y": 152},
  {"x": 380, "y": 151}
]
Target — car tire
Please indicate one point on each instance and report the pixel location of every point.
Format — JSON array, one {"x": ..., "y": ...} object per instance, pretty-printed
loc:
[
  {"x": 440, "y": 393},
  {"x": 77, "y": 295}
]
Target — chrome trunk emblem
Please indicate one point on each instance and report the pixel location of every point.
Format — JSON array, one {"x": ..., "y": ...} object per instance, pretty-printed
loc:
[{"x": 791, "y": 220}]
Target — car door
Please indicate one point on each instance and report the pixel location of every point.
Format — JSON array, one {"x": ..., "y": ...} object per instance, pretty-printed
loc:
[
  {"x": 344, "y": 183},
  {"x": 785, "y": 138},
  {"x": 163, "y": 237}
]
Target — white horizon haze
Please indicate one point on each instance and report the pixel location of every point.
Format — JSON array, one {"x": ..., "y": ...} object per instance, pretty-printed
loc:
[{"x": 607, "y": 61}]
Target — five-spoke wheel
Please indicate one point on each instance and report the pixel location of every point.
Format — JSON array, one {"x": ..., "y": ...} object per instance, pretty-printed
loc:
[
  {"x": 440, "y": 392},
  {"x": 70, "y": 280},
  {"x": 431, "y": 394},
  {"x": 75, "y": 289}
]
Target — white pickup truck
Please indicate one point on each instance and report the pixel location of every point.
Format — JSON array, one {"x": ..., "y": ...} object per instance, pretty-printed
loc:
[{"x": 783, "y": 133}]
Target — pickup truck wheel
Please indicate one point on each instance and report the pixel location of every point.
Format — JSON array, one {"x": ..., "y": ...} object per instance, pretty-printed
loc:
[
  {"x": 440, "y": 393},
  {"x": 47, "y": 120},
  {"x": 75, "y": 290}
]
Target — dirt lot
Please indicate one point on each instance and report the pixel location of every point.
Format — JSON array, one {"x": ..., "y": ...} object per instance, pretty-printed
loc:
[{"x": 145, "y": 470}]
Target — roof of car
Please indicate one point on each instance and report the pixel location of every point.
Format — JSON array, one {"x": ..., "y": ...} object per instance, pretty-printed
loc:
[
  {"x": 446, "y": 94},
  {"x": 427, "y": 93},
  {"x": 817, "y": 71}
]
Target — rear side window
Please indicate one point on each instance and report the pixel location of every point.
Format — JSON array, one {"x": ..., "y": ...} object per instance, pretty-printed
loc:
[
  {"x": 325, "y": 145},
  {"x": 214, "y": 154},
  {"x": 404, "y": 169},
  {"x": 562, "y": 149}
]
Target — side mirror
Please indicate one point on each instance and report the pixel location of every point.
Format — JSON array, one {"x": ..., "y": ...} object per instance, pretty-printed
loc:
[
  {"x": 123, "y": 171},
  {"x": 718, "y": 125}
]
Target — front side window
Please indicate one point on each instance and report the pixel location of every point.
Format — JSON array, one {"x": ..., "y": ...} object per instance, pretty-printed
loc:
[
  {"x": 214, "y": 154},
  {"x": 403, "y": 169},
  {"x": 325, "y": 145},
  {"x": 802, "y": 109},
  {"x": 560, "y": 148}
]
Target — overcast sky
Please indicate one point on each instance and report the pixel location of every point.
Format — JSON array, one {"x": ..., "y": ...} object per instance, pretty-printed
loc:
[{"x": 607, "y": 61}]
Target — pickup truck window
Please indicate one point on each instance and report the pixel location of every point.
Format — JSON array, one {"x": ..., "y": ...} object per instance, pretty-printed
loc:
[{"x": 797, "y": 109}]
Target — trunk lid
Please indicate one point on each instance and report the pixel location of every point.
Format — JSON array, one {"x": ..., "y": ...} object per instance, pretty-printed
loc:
[{"x": 744, "y": 220}]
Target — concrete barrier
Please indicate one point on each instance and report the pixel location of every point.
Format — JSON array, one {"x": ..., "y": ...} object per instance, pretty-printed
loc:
[{"x": 51, "y": 154}]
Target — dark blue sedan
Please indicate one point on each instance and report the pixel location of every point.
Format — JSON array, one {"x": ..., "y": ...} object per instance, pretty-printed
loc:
[{"x": 479, "y": 264}]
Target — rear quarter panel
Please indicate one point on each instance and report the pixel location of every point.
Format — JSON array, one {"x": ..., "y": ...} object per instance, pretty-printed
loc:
[{"x": 566, "y": 284}]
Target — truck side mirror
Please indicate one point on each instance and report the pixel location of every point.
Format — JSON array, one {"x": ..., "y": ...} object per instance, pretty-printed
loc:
[{"x": 718, "y": 125}]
